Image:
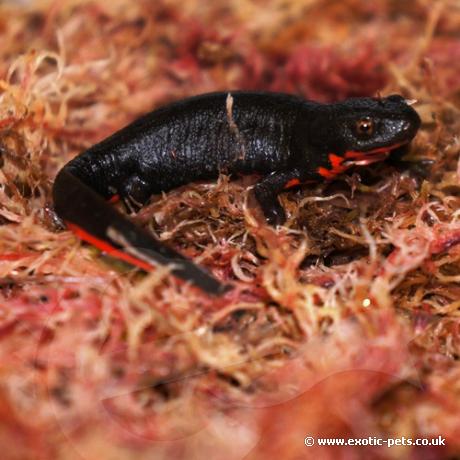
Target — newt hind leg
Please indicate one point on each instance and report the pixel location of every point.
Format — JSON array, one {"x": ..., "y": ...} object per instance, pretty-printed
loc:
[{"x": 135, "y": 192}]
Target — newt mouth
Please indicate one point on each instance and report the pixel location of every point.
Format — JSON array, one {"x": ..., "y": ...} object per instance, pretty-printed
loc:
[{"x": 369, "y": 157}]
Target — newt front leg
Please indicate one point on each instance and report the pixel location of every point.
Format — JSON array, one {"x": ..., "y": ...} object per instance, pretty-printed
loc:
[{"x": 267, "y": 190}]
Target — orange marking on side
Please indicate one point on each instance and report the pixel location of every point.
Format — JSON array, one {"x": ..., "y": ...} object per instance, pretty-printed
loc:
[
  {"x": 292, "y": 183},
  {"x": 114, "y": 199},
  {"x": 326, "y": 173},
  {"x": 336, "y": 163},
  {"x": 335, "y": 160},
  {"x": 107, "y": 247}
]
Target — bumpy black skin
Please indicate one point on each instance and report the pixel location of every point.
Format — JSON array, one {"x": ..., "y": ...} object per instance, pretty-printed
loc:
[{"x": 280, "y": 136}]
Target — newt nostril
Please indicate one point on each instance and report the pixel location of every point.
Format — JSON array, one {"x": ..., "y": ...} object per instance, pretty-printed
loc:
[{"x": 406, "y": 126}]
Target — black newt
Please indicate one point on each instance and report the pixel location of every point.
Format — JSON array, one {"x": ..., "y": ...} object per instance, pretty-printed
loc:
[{"x": 284, "y": 138}]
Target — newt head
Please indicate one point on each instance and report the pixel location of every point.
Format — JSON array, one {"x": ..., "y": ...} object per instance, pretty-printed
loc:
[
  {"x": 360, "y": 131},
  {"x": 373, "y": 127}
]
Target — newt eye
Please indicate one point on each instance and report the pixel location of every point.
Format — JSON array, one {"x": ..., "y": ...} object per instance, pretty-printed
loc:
[{"x": 365, "y": 126}]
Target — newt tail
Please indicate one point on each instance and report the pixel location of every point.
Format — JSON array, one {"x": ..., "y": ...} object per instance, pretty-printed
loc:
[{"x": 93, "y": 220}]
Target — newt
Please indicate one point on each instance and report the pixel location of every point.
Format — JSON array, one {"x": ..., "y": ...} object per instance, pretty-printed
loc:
[{"x": 284, "y": 138}]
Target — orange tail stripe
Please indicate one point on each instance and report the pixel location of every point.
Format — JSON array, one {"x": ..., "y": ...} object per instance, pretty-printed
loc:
[{"x": 107, "y": 247}]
